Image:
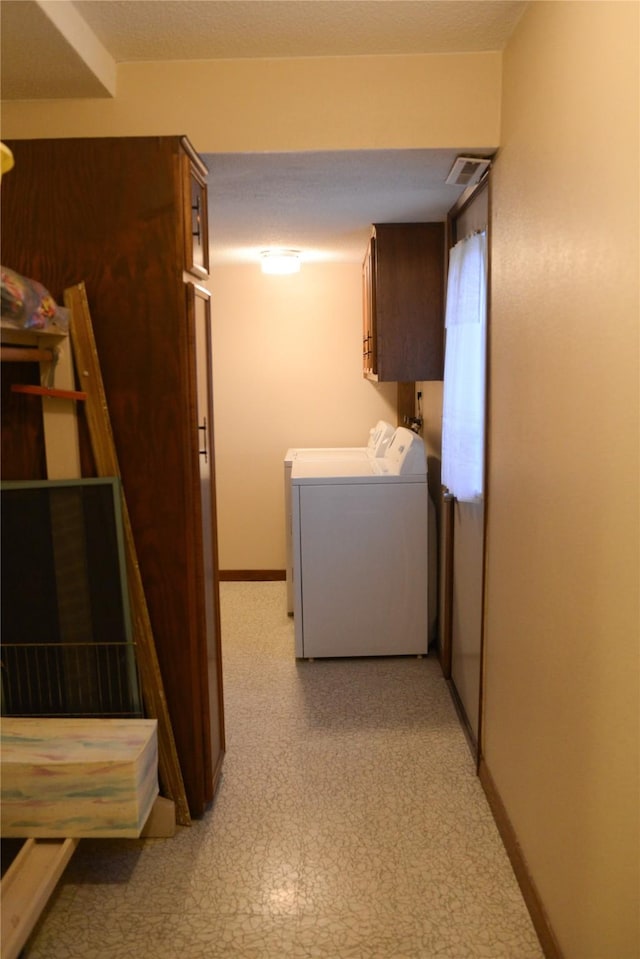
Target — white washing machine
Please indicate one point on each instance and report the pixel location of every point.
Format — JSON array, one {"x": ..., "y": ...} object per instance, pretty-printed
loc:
[
  {"x": 361, "y": 553},
  {"x": 379, "y": 438}
]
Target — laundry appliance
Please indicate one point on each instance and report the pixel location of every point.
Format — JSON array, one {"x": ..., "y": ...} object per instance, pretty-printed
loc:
[
  {"x": 361, "y": 553},
  {"x": 379, "y": 438}
]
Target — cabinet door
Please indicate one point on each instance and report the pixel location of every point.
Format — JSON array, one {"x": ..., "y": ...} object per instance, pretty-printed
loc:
[
  {"x": 408, "y": 276},
  {"x": 369, "y": 344},
  {"x": 213, "y": 719},
  {"x": 195, "y": 218}
]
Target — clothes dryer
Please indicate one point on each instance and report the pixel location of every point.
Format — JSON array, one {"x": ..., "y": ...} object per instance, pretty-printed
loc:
[
  {"x": 379, "y": 438},
  {"x": 361, "y": 553}
]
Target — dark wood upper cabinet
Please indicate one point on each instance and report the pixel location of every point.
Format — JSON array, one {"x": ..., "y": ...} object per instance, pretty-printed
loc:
[
  {"x": 403, "y": 302},
  {"x": 128, "y": 217}
]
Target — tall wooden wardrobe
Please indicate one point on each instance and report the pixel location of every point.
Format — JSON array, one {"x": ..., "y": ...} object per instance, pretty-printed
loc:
[{"x": 128, "y": 217}]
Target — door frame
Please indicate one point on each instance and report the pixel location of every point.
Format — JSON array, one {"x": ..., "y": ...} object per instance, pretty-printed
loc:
[{"x": 447, "y": 545}]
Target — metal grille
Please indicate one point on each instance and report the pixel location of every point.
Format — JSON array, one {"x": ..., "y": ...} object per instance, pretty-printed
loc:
[
  {"x": 70, "y": 679},
  {"x": 69, "y": 647}
]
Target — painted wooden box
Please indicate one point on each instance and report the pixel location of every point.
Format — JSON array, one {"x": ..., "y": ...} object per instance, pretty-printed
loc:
[{"x": 77, "y": 777}]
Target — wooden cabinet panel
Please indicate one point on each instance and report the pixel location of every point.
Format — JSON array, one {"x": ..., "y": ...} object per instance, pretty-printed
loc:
[
  {"x": 403, "y": 277},
  {"x": 195, "y": 219},
  {"x": 112, "y": 212},
  {"x": 199, "y": 312}
]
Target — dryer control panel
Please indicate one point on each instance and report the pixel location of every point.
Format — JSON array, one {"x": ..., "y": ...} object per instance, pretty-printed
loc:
[{"x": 406, "y": 454}]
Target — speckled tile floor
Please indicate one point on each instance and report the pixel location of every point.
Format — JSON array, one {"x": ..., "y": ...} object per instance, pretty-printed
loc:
[{"x": 348, "y": 824}]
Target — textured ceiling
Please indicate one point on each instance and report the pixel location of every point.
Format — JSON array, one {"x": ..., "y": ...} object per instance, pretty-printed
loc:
[
  {"x": 322, "y": 203},
  {"x": 37, "y": 61},
  {"x": 193, "y": 29}
]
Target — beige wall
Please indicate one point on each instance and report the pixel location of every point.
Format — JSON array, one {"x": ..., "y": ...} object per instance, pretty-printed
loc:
[
  {"x": 561, "y": 712},
  {"x": 287, "y": 372},
  {"x": 431, "y": 404},
  {"x": 327, "y": 103}
]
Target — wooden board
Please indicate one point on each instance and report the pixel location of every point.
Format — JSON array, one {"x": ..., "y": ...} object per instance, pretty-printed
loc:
[
  {"x": 26, "y": 887},
  {"x": 104, "y": 451}
]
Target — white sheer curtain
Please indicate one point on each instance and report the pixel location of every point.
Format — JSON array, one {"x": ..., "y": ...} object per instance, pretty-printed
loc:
[{"x": 463, "y": 412}]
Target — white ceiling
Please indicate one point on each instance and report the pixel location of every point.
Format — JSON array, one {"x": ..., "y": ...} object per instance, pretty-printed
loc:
[
  {"x": 187, "y": 30},
  {"x": 322, "y": 203}
]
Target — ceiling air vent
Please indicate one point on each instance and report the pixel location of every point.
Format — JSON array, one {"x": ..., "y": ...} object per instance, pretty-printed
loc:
[{"x": 467, "y": 170}]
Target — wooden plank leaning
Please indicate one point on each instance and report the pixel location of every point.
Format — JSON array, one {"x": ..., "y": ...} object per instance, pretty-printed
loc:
[
  {"x": 27, "y": 886},
  {"x": 106, "y": 460}
]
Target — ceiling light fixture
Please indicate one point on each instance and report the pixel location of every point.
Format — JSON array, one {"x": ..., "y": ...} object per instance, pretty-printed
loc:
[{"x": 280, "y": 262}]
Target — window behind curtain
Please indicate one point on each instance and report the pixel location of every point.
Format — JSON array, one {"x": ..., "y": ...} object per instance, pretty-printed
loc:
[{"x": 463, "y": 414}]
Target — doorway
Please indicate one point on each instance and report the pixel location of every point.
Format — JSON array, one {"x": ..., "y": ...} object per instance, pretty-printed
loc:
[{"x": 463, "y": 539}]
